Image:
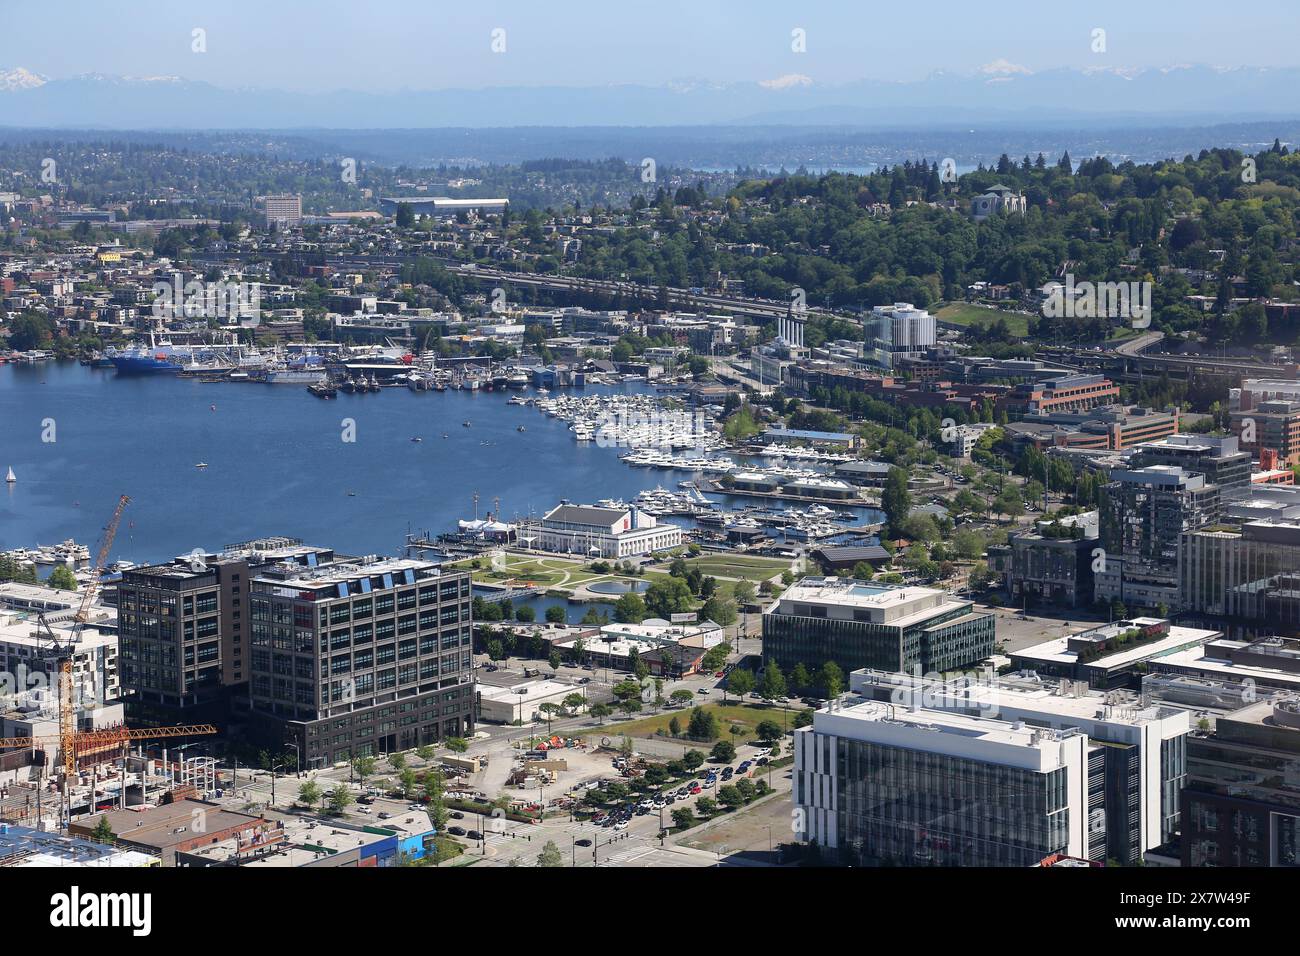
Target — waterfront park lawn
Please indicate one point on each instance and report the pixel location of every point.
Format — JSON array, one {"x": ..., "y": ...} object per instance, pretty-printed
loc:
[
  {"x": 734, "y": 714},
  {"x": 739, "y": 566},
  {"x": 532, "y": 569}
]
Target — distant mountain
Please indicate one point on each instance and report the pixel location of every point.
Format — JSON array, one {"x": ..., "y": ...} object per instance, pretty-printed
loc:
[
  {"x": 1001, "y": 93},
  {"x": 20, "y": 79}
]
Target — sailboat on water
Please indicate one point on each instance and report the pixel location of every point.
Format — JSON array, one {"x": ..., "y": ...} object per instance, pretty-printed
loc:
[{"x": 11, "y": 477}]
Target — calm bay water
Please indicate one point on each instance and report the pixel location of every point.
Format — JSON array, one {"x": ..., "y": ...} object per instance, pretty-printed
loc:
[{"x": 276, "y": 462}]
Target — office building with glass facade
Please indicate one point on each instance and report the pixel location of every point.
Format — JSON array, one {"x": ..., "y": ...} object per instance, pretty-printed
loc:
[
  {"x": 880, "y": 784},
  {"x": 1241, "y": 803},
  {"x": 1136, "y": 754},
  {"x": 857, "y": 624},
  {"x": 1246, "y": 576}
]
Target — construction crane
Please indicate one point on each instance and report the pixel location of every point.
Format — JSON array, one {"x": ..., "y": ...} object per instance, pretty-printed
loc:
[
  {"x": 110, "y": 737},
  {"x": 61, "y": 653}
]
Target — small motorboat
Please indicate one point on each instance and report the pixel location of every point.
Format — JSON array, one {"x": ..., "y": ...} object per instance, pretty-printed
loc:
[
  {"x": 417, "y": 439},
  {"x": 201, "y": 465},
  {"x": 520, "y": 428},
  {"x": 465, "y": 423}
]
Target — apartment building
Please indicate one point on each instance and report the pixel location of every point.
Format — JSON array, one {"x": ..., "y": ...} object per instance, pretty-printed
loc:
[{"x": 360, "y": 656}]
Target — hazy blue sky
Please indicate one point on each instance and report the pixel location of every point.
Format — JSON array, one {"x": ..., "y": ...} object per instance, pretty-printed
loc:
[{"x": 431, "y": 44}]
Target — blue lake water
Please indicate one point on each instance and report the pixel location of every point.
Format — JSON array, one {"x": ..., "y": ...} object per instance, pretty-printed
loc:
[{"x": 277, "y": 462}]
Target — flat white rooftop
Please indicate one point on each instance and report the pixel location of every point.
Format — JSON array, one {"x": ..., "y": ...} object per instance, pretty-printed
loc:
[
  {"x": 1195, "y": 661},
  {"x": 937, "y": 731},
  {"x": 1057, "y": 652}
]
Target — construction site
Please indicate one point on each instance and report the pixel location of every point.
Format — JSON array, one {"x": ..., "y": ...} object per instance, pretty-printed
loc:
[{"x": 65, "y": 749}]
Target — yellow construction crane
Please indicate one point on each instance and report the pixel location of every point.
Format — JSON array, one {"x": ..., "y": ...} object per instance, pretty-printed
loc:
[
  {"x": 99, "y": 740},
  {"x": 61, "y": 653}
]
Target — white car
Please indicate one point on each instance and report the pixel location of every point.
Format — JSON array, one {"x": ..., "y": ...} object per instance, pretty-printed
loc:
[{"x": 621, "y": 825}]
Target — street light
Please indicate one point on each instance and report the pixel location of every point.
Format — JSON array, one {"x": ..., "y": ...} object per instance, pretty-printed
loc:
[
  {"x": 273, "y": 770},
  {"x": 298, "y": 758}
]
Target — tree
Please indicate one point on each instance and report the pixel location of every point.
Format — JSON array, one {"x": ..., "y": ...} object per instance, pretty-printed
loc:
[
  {"x": 62, "y": 579},
  {"x": 693, "y": 760},
  {"x": 669, "y": 596},
  {"x": 600, "y": 711},
  {"x": 683, "y": 818},
  {"x": 457, "y": 744},
  {"x": 406, "y": 781},
  {"x": 703, "y": 725},
  {"x": 549, "y": 710},
  {"x": 719, "y": 610},
  {"x": 405, "y": 215},
  {"x": 772, "y": 685},
  {"x": 706, "y": 805},
  {"x": 574, "y": 702},
  {"x": 724, "y": 751},
  {"x": 895, "y": 499},
  {"x": 729, "y": 796},
  {"x": 681, "y": 697},
  {"x": 364, "y": 768},
  {"x": 768, "y": 730},
  {"x": 550, "y": 855},
  {"x": 103, "y": 832},
  {"x": 525, "y": 614},
  {"x": 555, "y": 614},
  {"x": 397, "y": 761},
  {"x": 740, "y": 682},
  {"x": 832, "y": 679},
  {"x": 309, "y": 794},
  {"x": 800, "y": 678},
  {"x": 340, "y": 799},
  {"x": 629, "y": 609},
  {"x": 674, "y": 726}
]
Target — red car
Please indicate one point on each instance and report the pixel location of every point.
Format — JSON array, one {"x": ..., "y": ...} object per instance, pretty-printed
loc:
[
  {"x": 720, "y": 674},
  {"x": 695, "y": 790}
]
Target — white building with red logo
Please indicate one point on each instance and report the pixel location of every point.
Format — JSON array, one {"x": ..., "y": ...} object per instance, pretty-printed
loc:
[{"x": 597, "y": 532}]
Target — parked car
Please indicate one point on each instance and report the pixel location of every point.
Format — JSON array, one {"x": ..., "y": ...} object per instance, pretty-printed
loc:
[
  {"x": 474, "y": 835},
  {"x": 702, "y": 690},
  {"x": 456, "y": 831},
  {"x": 363, "y": 809},
  {"x": 456, "y": 815},
  {"x": 385, "y": 816},
  {"x": 583, "y": 842},
  {"x": 621, "y": 825},
  {"x": 585, "y": 680}
]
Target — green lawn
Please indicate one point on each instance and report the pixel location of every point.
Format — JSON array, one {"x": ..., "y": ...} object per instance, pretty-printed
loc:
[
  {"x": 739, "y": 566},
  {"x": 735, "y": 713},
  {"x": 963, "y": 313}
]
